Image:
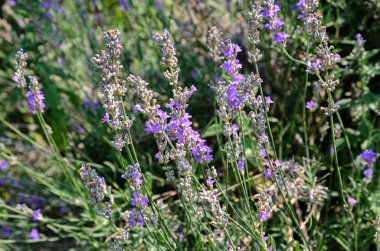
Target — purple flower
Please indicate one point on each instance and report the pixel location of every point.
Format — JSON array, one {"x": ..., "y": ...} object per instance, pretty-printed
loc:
[
  {"x": 60, "y": 61},
  {"x": 235, "y": 100},
  {"x": 280, "y": 37},
  {"x": 3, "y": 165},
  {"x": 230, "y": 66},
  {"x": 268, "y": 100},
  {"x": 46, "y": 4},
  {"x": 139, "y": 200},
  {"x": 34, "y": 235},
  {"x": 144, "y": 201},
  {"x": 158, "y": 155},
  {"x": 124, "y": 5},
  {"x": 311, "y": 105},
  {"x": 36, "y": 216},
  {"x": 88, "y": 103},
  {"x": 301, "y": 5},
  {"x": 359, "y": 39},
  {"x": 133, "y": 176},
  {"x": 267, "y": 173},
  {"x": 135, "y": 218},
  {"x": 231, "y": 50},
  {"x": 315, "y": 65},
  {"x": 240, "y": 165},
  {"x": 238, "y": 78},
  {"x": 135, "y": 199},
  {"x": 274, "y": 24},
  {"x": 5, "y": 231},
  {"x": 15, "y": 79},
  {"x": 263, "y": 216},
  {"x": 337, "y": 58},
  {"x": 271, "y": 11},
  {"x": 106, "y": 118},
  {"x": 368, "y": 173},
  {"x": 368, "y": 156},
  {"x": 331, "y": 149},
  {"x": 97, "y": 16},
  {"x": 262, "y": 153},
  {"x": 152, "y": 127},
  {"x": 351, "y": 201},
  {"x": 12, "y": 3},
  {"x": 35, "y": 100},
  {"x": 210, "y": 182},
  {"x": 157, "y": 4}
]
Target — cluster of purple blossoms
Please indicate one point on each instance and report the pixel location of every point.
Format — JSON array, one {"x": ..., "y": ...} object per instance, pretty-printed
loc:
[
  {"x": 134, "y": 179},
  {"x": 280, "y": 37},
  {"x": 270, "y": 12},
  {"x": 179, "y": 127},
  {"x": 274, "y": 22},
  {"x": 263, "y": 216},
  {"x": 232, "y": 93},
  {"x": 176, "y": 125},
  {"x": 368, "y": 157},
  {"x": 35, "y": 97}
]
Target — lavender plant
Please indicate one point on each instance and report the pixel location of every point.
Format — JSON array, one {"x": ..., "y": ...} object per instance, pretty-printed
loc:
[{"x": 236, "y": 126}]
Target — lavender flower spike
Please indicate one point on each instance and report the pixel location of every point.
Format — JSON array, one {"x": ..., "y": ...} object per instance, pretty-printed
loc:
[{"x": 35, "y": 97}]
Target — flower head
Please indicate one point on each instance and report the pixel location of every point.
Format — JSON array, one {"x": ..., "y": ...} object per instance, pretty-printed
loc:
[
  {"x": 280, "y": 37},
  {"x": 263, "y": 216},
  {"x": 311, "y": 105},
  {"x": 36, "y": 216},
  {"x": 135, "y": 218},
  {"x": 35, "y": 97},
  {"x": 34, "y": 235},
  {"x": 351, "y": 201},
  {"x": 267, "y": 173},
  {"x": 3, "y": 164},
  {"x": 368, "y": 156},
  {"x": 210, "y": 182}
]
